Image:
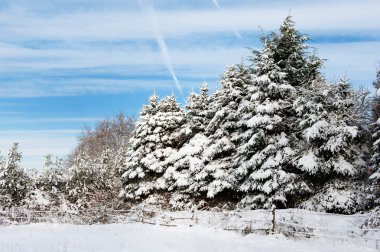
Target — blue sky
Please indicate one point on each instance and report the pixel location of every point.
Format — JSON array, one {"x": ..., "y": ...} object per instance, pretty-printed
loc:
[{"x": 67, "y": 63}]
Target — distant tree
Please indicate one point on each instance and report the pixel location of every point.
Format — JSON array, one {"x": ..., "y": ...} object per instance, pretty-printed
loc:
[
  {"x": 363, "y": 110},
  {"x": 53, "y": 178},
  {"x": 108, "y": 134},
  {"x": 15, "y": 182},
  {"x": 50, "y": 185},
  {"x": 93, "y": 176},
  {"x": 94, "y": 183},
  {"x": 82, "y": 181}
]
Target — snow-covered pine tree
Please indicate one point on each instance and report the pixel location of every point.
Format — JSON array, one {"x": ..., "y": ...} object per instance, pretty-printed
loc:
[
  {"x": 222, "y": 132},
  {"x": 375, "y": 159},
  {"x": 120, "y": 159},
  {"x": 181, "y": 169},
  {"x": 53, "y": 178},
  {"x": 108, "y": 177},
  {"x": 231, "y": 109},
  {"x": 50, "y": 186},
  {"x": 105, "y": 171},
  {"x": 376, "y": 99},
  {"x": 81, "y": 181},
  {"x": 140, "y": 144},
  {"x": 93, "y": 183},
  {"x": 197, "y": 110},
  {"x": 330, "y": 152},
  {"x": 15, "y": 182},
  {"x": 154, "y": 139},
  {"x": 188, "y": 159},
  {"x": 293, "y": 56},
  {"x": 264, "y": 159}
]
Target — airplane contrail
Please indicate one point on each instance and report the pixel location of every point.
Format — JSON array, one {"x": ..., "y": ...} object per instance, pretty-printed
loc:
[
  {"x": 151, "y": 13},
  {"x": 236, "y": 32},
  {"x": 216, "y": 4}
]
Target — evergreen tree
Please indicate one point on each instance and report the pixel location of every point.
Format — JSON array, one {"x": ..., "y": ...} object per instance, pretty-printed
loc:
[
  {"x": 328, "y": 130},
  {"x": 293, "y": 56},
  {"x": 376, "y": 99},
  {"x": 81, "y": 181},
  {"x": 15, "y": 182},
  {"x": 328, "y": 124},
  {"x": 187, "y": 161},
  {"x": 330, "y": 150},
  {"x": 264, "y": 159},
  {"x": 182, "y": 169},
  {"x": 154, "y": 139},
  {"x": 273, "y": 134},
  {"x": 222, "y": 131},
  {"x": 375, "y": 159},
  {"x": 197, "y": 111},
  {"x": 49, "y": 192},
  {"x": 91, "y": 183},
  {"x": 53, "y": 178}
]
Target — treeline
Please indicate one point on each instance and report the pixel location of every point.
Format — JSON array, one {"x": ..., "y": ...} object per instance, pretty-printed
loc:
[
  {"x": 275, "y": 133},
  {"x": 89, "y": 177}
]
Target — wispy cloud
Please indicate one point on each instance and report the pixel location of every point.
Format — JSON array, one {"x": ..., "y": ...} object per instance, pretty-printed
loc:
[
  {"x": 119, "y": 24},
  {"x": 46, "y": 120},
  {"x": 35, "y": 144},
  {"x": 356, "y": 60}
]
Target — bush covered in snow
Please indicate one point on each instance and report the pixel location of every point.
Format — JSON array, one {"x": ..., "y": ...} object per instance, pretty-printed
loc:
[
  {"x": 15, "y": 182},
  {"x": 345, "y": 197}
]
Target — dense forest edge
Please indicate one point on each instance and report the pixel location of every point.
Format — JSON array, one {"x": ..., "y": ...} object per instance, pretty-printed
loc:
[{"x": 275, "y": 133}]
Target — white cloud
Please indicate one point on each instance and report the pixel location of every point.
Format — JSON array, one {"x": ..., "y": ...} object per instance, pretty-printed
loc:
[
  {"x": 93, "y": 24},
  {"x": 91, "y": 86},
  {"x": 19, "y": 121},
  {"x": 34, "y": 144},
  {"x": 358, "y": 61},
  {"x": 131, "y": 24}
]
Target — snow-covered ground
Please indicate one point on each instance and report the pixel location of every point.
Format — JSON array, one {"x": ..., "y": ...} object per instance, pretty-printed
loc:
[
  {"x": 145, "y": 237},
  {"x": 199, "y": 231}
]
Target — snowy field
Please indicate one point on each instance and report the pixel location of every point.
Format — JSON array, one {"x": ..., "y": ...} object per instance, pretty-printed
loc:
[
  {"x": 145, "y": 237},
  {"x": 154, "y": 230}
]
